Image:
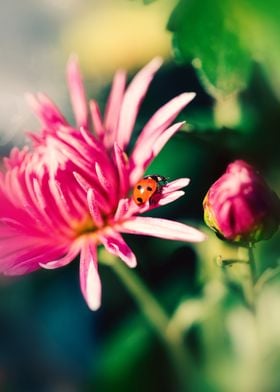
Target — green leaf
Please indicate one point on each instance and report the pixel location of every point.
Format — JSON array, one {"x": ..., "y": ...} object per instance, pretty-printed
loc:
[
  {"x": 129, "y": 343},
  {"x": 259, "y": 28},
  {"x": 132, "y": 360},
  {"x": 223, "y": 38},
  {"x": 206, "y": 33}
]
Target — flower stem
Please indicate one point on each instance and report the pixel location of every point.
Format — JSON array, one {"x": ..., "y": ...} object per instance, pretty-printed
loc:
[
  {"x": 249, "y": 283},
  {"x": 145, "y": 301},
  {"x": 159, "y": 320},
  {"x": 252, "y": 263}
]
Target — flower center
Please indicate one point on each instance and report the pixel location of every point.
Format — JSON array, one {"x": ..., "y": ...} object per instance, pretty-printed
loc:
[{"x": 85, "y": 226}]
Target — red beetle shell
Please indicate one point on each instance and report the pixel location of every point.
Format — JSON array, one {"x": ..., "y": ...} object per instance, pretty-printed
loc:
[{"x": 146, "y": 188}]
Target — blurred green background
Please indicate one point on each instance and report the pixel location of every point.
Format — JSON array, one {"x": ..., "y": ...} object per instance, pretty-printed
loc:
[{"x": 228, "y": 52}]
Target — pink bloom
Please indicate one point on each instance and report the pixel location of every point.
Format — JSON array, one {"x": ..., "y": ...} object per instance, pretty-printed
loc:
[
  {"x": 72, "y": 191},
  {"x": 240, "y": 206}
]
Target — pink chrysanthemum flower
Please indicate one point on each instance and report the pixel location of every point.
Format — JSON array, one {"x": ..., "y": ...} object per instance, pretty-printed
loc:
[{"x": 71, "y": 191}]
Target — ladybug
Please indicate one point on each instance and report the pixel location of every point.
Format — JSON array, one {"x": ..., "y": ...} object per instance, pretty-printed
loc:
[{"x": 147, "y": 188}]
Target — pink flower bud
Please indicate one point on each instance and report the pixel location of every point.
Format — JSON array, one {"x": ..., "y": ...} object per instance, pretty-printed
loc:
[{"x": 240, "y": 206}]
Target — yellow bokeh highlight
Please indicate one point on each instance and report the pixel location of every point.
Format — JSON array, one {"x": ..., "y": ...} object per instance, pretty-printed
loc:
[{"x": 119, "y": 34}]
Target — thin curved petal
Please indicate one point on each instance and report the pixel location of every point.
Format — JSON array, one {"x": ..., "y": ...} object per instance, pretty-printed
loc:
[
  {"x": 112, "y": 111},
  {"x": 22, "y": 268},
  {"x": 143, "y": 157},
  {"x": 89, "y": 276},
  {"x": 104, "y": 181},
  {"x": 94, "y": 209},
  {"x": 20, "y": 256},
  {"x": 166, "y": 114},
  {"x": 161, "y": 228},
  {"x": 122, "y": 209},
  {"x": 84, "y": 184},
  {"x": 77, "y": 92},
  {"x": 16, "y": 157},
  {"x": 61, "y": 262},
  {"x": 175, "y": 185},
  {"x": 115, "y": 244},
  {"x": 121, "y": 162},
  {"x": 159, "y": 122},
  {"x": 132, "y": 100},
  {"x": 45, "y": 110},
  {"x": 170, "y": 197},
  {"x": 96, "y": 119}
]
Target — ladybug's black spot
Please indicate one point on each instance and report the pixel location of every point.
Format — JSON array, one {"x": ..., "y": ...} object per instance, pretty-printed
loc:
[
  {"x": 149, "y": 189},
  {"x": 139, "y": 187},
  {"x": 139, "y": 199}
]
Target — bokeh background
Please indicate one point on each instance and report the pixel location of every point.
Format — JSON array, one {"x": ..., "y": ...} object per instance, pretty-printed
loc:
[{"x": 228, "y": 52}]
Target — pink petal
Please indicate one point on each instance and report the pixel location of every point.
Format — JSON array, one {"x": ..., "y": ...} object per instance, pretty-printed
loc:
[
  {"x": 94, "y": 209},
  {"x": 97, "y": 149},
  {"x": 161, "y": 228},
  {"x": 72, "y": 201},
  {"x": 121, "y": 162},
  {"x": 61, "y": 262},
  {"x": 59, "y": 196},
  {"x": 84, "y": 184},
  {"x": 89, "y": 277},
  {"x": 22, "y": 268},
  {"x": 71, "y": 142},
  {"x": 112, "y": 111},
  {"x": 77, "y": 92},
  {"x": 132, "y": 100},
  {"x": 96, "y": 118},
  {"x": 165, "y": 115},
  {"x": 39, "y": 212},
  {"x": 45, "y": 110},
  {"x": 164, "y": 137},
  {"x": 159, "y": 122},
  {"x": 105, "y": 182},
  {"x": 88, "y": 137},
  {"x": 60, "y": 207},
  {"x": 170, "y": 197},
  {"x": 127, "y": 208},
  {"x": 54, "y": 114},
  {"x": 16, "y": 157},
  {"x": 141, "y": 159},
  {"x": 43, "y": 199},
  {"x": 115, "y": 245},
  {"x": 40, "y": 200},
  {"x": 13, "y": 223},
  {"x": 175, "y": 185},
  {"x": 122, "y": 209},
  {"x": 23, "y": 261}
]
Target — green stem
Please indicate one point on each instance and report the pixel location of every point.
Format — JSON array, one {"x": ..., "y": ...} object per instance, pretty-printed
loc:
[
  {"x": 158, "y": 319},
  {"x": 252, "y": 263},
  {"x": 145, "y": 301},
  {"x": 249, "y": 282}
]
